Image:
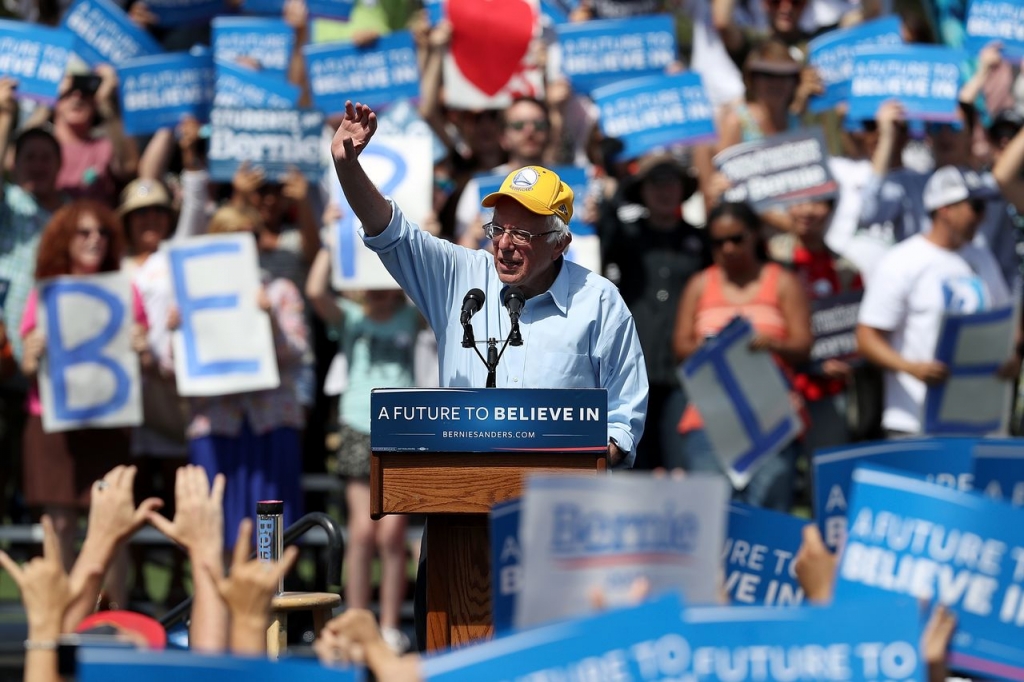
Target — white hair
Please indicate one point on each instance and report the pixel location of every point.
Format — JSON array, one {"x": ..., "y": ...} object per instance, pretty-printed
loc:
[{"x": 558, "y": 228}]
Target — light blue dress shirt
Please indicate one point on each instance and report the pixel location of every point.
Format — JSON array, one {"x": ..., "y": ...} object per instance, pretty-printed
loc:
[{"x": 578, "y": 334}]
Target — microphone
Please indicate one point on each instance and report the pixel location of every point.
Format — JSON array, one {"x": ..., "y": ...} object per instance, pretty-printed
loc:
[
  {"x": 513, "y": 299},
  {"x": 472, "y": 303}
]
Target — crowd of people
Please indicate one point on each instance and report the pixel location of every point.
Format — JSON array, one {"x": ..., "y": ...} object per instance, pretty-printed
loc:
[{"x": 938, "y": 204}]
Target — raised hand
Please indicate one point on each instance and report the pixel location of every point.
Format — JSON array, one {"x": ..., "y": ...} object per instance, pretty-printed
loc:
[
  {"x": 357, "y": 127},
  {"x": 198, "y": 523}
]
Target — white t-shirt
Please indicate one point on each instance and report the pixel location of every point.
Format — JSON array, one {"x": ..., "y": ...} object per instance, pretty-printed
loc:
[{"x": 913, "y": 286}]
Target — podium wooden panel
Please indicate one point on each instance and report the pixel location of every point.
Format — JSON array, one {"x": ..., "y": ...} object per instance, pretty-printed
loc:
[{"x": 456, "y": 492}]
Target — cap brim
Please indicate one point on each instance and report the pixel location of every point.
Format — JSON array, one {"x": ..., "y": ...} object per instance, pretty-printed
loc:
[{"x": 527, "y": 202}]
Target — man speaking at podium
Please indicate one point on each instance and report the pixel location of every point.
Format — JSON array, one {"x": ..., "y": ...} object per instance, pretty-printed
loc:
[{"x": 576, "y": 330}]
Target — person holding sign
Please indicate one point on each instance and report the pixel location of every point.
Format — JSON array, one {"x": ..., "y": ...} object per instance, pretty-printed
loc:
[
  {"x": 377, "y": 336},
  {"x": 917, "y": 282},
  {"x": 83, "y": 238},
  {"x": 742, "y": 283},
  {"x": 255, "y": 438}
]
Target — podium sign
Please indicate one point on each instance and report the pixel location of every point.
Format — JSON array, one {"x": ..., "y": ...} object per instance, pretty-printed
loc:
[{"x": 489, "y": 420}]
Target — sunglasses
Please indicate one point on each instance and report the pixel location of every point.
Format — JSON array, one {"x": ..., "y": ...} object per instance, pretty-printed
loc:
[
  {"x": 539, "y": 125},
  {"x": 735, "y": 240}
]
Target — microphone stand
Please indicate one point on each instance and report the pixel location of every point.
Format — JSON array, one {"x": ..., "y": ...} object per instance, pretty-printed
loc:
[{"x": 515, "y": 338}]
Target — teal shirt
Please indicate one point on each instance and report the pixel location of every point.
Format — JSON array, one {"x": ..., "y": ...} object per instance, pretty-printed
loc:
[{"x": 380, "y": 355}]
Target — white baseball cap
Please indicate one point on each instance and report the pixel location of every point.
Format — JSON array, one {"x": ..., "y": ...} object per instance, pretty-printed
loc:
[{"x": 952, "y": 184}]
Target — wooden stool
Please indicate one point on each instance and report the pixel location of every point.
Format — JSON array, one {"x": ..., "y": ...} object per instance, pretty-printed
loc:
[{"x": 320, "y": 603}]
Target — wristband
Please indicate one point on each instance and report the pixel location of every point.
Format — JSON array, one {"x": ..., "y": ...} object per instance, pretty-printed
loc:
[{"x": 40, "y": 645}]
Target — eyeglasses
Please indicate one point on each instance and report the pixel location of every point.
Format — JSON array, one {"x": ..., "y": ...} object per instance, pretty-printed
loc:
[
  {"x": 540, "y": 125},
  {"x": 85, "y": 233},
  {"x": 735, "y": 240},
  {"x": 518, "y": 237}
]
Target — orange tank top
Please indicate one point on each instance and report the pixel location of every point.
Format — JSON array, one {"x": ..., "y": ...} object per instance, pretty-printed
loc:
[{"x": 714, "y": 312}]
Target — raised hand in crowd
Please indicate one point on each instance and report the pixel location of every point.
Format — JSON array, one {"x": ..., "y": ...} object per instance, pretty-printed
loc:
[
  {"x": 113, "y": 519},
  {"x": 141, "y": 15},
  {"x": 815, "y": 566},
  {"x": 248, "y": 590},
  {"x": 938, "y": 633},
  {"x": 46, "y": 593},
  {"x": 810, "y": 84},
  {"x": 354, "y": 638},
  {"x": 246, "y": 182},
  {"x": 198, "y": 526}
]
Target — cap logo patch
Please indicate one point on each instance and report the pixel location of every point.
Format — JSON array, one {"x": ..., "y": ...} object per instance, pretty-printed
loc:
[
  {"x": 143, "y": 189},
  {"x": 563, "y": 209},
  {"x": 525, "y": 179}
]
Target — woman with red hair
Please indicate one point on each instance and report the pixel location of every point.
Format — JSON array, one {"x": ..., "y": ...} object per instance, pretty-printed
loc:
[{"x": 82, "y": 238}]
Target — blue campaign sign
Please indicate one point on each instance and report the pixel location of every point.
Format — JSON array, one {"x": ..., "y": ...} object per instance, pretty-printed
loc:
[
  {"x": 328, "y": 9},
  {"x": 274, "y": 140},
  {"x": 375, "y": 75},
  {"x": 973, "y": 400},
  {"x": 489, "y": 420},
  {"x": 156, "y": 92},
  {"x": 946, "y": 461},
  {"x": 742, "y": 397},
  {"x": 184, "y": 12},
  {"x": 577, "y": 179},
  {"x": 831, "y": 54},
  {"x": 596, "y": 53},
  {"x": 925, "y": 79},
  {"x": 101, "y": 664},
  {"x": 759, "y": 550},
  {"x": 36, "y": 56},
  {"x": 655, "y": 111},
  {"x": 660, "y": 640},
  {"x": 778, "y": 170},
  {"x": 105, "y": 34},
  {"x": 961, "y": 549},
  {"x": 506, "y": 563},
  {"x": 435, "y": 10},
  {"x": 268, "y": 41},
  {"x": 999, "y": 469},
  {"x": 239, "y": 87},
  {"x": 996, "y": 20}
]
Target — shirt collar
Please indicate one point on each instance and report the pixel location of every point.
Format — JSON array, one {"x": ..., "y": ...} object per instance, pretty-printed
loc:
[{"x": 559, "y": 289}]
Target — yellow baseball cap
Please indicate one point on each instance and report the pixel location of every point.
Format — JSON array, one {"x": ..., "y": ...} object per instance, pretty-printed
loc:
[{"x": 538, "y": 189}]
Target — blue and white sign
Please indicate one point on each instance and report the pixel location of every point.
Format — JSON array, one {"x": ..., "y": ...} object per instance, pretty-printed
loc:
[
  {"x": 90, "y": 375},
  {"x": 596, "y": 53},
  {"x": 996, "y": 20},
  {"x": 759, "y": 553},
  {"x": 374, "y": 75},
  {"x": 489, "y": 420},
  {"x": 225, "y": 343},
  {"x": 832, "y": 53},
  {"x": 274, "y": 140},
  {"x": 185, "y": 12},
  {"x": 973, "y": 400},
  {"x": 743, "y": 400},
  {"x": 589, "y": 533},
  {"x": 268, "y": 41},
  {"x": 327, "y": 9},
  {"x": 506, "y": 563},
  {"x": 925, "y": 79},
  {"x": 239, "y": 87},
  {"x": 106, "y": 35},
  {"x": 585, "y": 247},
  {"x": 946, "y": 461},
  {"x": 655, "y": 111},
  {"x": 402, "y": 168},
  {"x": 999, "y": 469},
  {"x": 36, "y": 56},
  {"x": 911, "y": 537},
  {"x": 101, "y": 664},
  {"x": 661, "y": 641},
  {"x": 157, "y": 92},
  {"x": 779, "y": 170}
]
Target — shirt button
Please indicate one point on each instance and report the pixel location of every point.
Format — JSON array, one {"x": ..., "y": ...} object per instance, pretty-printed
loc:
[
  {"x": 515, "y": 380},
  {"x": 662, "y": 295}
]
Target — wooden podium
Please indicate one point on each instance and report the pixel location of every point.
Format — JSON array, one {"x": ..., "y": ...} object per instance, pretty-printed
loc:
[{"x": 456, "y": 492}]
